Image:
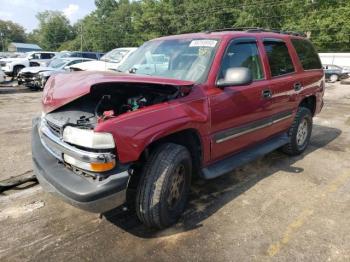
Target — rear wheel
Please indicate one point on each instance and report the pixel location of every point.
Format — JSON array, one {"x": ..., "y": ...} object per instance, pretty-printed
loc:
[
  {"x": 299, "y": 132},
  {"x": 163, "y": 189},
  {"x": 334, "y": 78}
]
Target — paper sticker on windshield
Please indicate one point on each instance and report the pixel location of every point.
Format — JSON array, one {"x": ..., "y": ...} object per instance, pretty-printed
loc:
[{"x": 203, "y": 43}]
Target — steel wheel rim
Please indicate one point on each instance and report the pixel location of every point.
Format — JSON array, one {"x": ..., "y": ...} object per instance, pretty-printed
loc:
[
  {"x": 177, "y": 186},
  {"x": 302, "y": 133}
]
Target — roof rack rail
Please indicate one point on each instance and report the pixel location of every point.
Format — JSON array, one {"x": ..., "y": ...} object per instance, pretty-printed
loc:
[{"x": 257, "y": 30}]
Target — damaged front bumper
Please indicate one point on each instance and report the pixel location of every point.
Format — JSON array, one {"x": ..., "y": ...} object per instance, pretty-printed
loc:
[
  {"x": 30, "y": 80},
  {"x": 85, "y": 192}
]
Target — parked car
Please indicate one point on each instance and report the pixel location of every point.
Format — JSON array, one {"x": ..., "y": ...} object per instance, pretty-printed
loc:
[
  {"x": 36, "y": 77},
  {"x": 2, "y": 76},
  {"x": 137, "y": 138},
  {"x": 11, "y": 66},
  {"x": 335, "y": 73},
  {"x": 110, "y": 61},
  {"x": 90, "y": 55}
]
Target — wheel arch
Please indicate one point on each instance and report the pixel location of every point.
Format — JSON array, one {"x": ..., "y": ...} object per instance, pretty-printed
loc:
[
  {"x": 310, "y": 103},
  {"x": 189, "y": 138}
]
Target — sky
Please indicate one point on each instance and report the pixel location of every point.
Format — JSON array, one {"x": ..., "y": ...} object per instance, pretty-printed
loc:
[{"x": 23, "y": 11}]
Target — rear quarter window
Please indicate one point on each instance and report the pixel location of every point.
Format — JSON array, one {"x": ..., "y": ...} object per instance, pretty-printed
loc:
[
  {"x": 307, "y": 54},
  {"x": 89, "y": 55}
]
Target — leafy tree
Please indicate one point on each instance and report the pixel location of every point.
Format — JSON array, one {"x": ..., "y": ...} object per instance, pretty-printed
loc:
[
  {"x": 117, "y": 23},
  {"x": 54, "y": 29},
  {"x": 10, "y": 32}
]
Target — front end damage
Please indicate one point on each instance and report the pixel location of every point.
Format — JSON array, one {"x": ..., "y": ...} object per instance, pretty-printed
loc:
[{"x": 75, "y": 161}]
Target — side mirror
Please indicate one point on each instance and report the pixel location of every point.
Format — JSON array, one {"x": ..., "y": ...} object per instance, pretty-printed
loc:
[
  {"x": 236, "y": 76},
  {"x": 67, "y": 68}
]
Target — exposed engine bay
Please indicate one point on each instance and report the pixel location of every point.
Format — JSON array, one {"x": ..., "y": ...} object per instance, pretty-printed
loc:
[{"x": 107, "y": 100}]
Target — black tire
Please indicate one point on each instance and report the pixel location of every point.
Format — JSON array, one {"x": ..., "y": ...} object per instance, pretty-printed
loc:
[
  {"x": 295, "y": 146},
  {"x": 155, "y": 190},
  {"x": 16, "y": 70}
]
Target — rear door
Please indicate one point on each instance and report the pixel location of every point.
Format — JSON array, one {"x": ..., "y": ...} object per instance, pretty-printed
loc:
[
  {"x": 311, "y": 75},
  {"x": 283, "y": 83}
]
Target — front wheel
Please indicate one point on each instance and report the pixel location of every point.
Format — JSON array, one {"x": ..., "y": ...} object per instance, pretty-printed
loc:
[
  {"x": 299, "y": 132},
  {"x": 163, "y": 189},
  {"x": 16, "y": 70}
]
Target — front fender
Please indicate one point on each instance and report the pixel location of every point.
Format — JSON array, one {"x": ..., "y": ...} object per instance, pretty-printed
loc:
[{"x": 134, "y": 131}]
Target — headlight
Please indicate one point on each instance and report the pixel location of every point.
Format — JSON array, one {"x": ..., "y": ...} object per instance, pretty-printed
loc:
[
  {"x": 45, "y": 74},
  {"x": 88, "y": 138}
]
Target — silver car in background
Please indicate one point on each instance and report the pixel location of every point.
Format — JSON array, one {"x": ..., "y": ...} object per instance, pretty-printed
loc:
[{"x": 36, "y": 77}]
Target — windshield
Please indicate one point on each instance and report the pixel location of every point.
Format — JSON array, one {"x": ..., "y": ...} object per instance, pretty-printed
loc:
[
  {"x": 63, "y": 54},
  {"x": 58, "y": 62},
  {"x": 183, "y": 59},
  {"x": 114, "y": 56}
]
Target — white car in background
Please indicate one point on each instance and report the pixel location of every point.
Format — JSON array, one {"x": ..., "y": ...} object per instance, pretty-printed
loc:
[
  {"x": 11, "y": 66},
  {"x": 35, "y": 77},
  {"x": 110, "y": 61},
  {"x": 2, "y": 76}
]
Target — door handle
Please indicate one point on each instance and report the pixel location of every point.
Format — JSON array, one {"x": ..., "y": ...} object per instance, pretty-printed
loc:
[
  {"x": 266, "y": 93},
  {"x": 297, "y": 86}
]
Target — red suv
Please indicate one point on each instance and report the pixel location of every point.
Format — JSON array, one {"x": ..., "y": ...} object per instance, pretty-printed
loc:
[{"x": 184, "y": 105}]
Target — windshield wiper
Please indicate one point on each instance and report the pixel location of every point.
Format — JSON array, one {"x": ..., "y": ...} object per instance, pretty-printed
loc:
[{"x": 117, "y": 70}]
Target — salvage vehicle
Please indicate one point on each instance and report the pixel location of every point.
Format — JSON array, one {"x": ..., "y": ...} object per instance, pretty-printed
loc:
[
  {"x": 12, "y": 66},
  {"x": 110, "y": 61},
  {"x": 35, "y": 77},
  {"x": 335, "y": 73},
  {"x": 137, "y": 138}
]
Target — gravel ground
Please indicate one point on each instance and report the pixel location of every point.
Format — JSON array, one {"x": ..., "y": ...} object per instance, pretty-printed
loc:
[{"x": 276, "y": 208}]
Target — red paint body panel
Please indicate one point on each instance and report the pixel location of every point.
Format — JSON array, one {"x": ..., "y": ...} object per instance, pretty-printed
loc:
[{"x": 207, "y": 109}]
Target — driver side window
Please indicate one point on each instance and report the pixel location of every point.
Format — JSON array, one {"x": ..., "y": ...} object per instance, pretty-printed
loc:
[{"x": 242, "y": 54}]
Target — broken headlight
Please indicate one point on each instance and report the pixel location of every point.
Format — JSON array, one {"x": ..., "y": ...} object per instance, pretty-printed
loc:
[{"x": 88, "y": 138}]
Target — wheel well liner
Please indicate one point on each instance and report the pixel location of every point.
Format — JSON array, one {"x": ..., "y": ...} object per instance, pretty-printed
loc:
[
  {"x": 310, "y": 103},
  {"x": 189, "y": 138}
]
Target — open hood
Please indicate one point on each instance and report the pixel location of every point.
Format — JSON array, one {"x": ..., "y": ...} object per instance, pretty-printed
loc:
[
  {"x": 64, "y": 88},
  {"x": 36, "y": 69},
  {"x": 96, "y": 66}
]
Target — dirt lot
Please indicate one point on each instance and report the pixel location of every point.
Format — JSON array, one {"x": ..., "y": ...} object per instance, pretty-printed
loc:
[{"x": 276, "y": 208}]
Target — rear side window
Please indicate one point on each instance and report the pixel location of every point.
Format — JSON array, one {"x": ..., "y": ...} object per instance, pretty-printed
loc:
[
  {"x": 242, "y": 54},
  {"x": 307, "y": 54},
  {"x": 279, "y": 58},
  {"x": 89, "y": 55},
  {"x": 46, "y": 56},
  {"x": 76, "y": 54}
]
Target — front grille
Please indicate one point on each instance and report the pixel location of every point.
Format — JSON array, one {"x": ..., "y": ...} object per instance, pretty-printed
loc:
[
  {"x": 56, "y": 129},
  {"x": 27, "y": 75},
  {"x": 2, "y": 63}
]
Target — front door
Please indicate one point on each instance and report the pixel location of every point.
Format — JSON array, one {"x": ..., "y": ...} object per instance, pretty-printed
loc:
[{"x": 240, "y": 115}]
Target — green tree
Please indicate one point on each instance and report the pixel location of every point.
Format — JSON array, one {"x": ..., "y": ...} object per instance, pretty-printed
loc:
[
  {"x": 10, "y": 32},
  {"x": 54, "y": 29},
  {"x": 117, "y": 23}
]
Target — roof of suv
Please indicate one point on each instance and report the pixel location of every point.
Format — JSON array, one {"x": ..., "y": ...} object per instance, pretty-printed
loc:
[{"x": 228, "y": 33}]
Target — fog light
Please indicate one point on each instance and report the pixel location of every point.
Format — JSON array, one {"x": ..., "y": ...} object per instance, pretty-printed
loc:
[{"x": 95, "y": 167}]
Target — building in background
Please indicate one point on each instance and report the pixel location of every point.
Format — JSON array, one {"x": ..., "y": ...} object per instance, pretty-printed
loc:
[
  {"x": 23, "y": 47},
  {"x": 339, "y": 59}
]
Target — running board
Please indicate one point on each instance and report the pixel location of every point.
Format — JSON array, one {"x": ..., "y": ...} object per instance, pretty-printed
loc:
[{"x": 232, "y": 162}]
